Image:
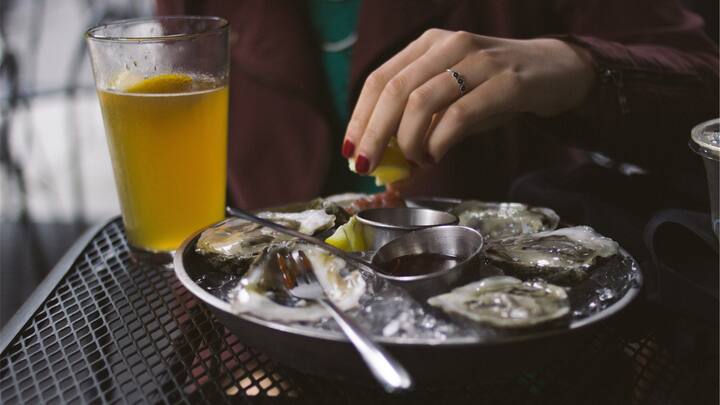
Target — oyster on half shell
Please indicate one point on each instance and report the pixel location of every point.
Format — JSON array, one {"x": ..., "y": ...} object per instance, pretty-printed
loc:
[
  {"x": 564, "y": 256},
  {"x": 262, "y": 292},
  {"x": 506, "y": 302},
  {"x": 499, "y": 220},
  {"x": 234, "y": 243}
]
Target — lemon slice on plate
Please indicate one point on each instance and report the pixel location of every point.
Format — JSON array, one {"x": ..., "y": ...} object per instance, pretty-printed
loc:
[
  {"x": 393, "y": 166},
  {"x": 348, "y": 237},
  {"x": 162, "y": 83}
]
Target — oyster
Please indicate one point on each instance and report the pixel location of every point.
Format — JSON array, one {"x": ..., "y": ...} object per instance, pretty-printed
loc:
[
  {"x": 234, "y": 243},
  {"x": 345, "y": 200},
  {"x": 500, "y": 220},
  {"x": 262, "y": 292},
  {"x": 506, "y": 302},
  {"x": 308, "y": 222},
  {"x": 565, "y": 256},
  {"x": 330, "y": 205}
]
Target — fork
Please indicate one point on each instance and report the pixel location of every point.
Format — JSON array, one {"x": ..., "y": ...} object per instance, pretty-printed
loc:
[{"x": 299, "y": 277}]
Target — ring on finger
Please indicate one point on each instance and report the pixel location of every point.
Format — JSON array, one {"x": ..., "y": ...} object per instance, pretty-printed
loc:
[{"x": 459, "y": 79}]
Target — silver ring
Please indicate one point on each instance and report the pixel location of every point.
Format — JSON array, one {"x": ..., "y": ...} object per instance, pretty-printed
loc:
[{"x": 459, "y": 79}]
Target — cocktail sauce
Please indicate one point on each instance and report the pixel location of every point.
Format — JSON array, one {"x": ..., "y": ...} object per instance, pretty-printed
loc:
[{"x": 418, "y": 264}]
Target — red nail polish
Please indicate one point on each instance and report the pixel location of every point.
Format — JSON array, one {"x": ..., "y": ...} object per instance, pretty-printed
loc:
[
  {"x": 429, "y": 158},
  {"x": 362, "y": 164},
  {"x": 348, "y": 149}
]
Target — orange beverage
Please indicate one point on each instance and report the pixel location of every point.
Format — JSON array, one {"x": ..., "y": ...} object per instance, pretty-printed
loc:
[{"x": 167, "y": 136}]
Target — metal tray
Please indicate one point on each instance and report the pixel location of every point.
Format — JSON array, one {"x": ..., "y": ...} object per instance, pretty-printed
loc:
[{"x": 431, "y": 363}]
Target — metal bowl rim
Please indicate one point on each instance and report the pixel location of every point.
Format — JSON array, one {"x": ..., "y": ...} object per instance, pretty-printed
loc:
[{"x": 382, "y": 225}]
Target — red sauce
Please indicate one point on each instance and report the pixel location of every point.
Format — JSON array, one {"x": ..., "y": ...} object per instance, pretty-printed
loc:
[
  {"x": 418, "y": 264},
  {"x": 387, "y": 199}
]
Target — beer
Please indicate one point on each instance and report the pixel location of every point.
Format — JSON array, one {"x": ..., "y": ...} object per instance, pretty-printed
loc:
[{"x": 167, "y": 136}]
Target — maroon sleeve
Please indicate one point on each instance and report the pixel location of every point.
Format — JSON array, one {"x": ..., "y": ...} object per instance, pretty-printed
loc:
[
  {"x": 180, "y": 7},
  {"x": 657, "y": 77}
]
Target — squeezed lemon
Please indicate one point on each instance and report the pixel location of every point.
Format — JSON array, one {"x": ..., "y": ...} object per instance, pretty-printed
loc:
[
  {"x": 348, "y": 237},
  {"x": 393, "y": 166}
]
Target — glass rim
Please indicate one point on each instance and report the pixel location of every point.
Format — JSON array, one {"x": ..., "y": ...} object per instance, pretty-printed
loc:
[
  {"x": 700, "y": 145},
  {"x": 91, "y": 34}
]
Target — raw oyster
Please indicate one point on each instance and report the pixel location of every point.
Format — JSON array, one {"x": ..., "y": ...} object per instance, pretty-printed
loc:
[
  {"x": 506, "y": 302},
  {"x": 308, "y": 222},
  {"x": 345, "y": 200},
  {"x": 234, "y": 243},
  {"x": 564, "y": 256},
  {"x": 500, "y": 220},
  {"x": 329, "y": 206},
  {"x": 263, "y": 293}
]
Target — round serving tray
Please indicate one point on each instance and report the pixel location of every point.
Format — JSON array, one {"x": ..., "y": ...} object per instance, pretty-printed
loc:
[{"x": 430, "y": 362}]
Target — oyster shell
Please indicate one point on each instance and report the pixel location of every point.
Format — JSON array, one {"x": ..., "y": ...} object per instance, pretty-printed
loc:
[
  {"x": 330, "y": 205},
  {"x": 499, "y": 220},
  {"x": 262, "y": 292},
  {"x": 234, "y": 243},
  {"x": 565, "y": 256},
  {"x": 308, "y": 222},
  {"x": 345, "y": 200},
  {"x": 506, "y": 302}
]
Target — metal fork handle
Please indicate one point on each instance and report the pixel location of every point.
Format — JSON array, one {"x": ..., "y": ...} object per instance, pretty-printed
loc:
[
  {"x": 240, "y": 213},
  {"x": 388, "y": 371}
]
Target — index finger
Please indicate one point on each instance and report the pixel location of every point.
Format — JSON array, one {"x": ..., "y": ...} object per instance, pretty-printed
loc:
[{"x": 374, "y": 85}]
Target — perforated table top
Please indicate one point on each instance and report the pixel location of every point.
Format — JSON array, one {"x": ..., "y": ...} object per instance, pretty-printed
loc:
[{"x": 102, "y": 329}]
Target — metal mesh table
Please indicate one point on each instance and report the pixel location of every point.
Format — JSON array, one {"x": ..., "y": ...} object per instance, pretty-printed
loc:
[{"x": 102, "y": 329}]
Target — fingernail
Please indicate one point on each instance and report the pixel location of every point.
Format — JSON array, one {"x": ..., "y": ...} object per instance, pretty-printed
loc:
[
  {"x": 413, "y": 164},
  {"x": 429, "y": 158},
  {"x": 348, "y": 149},
  {"x": 362, "y": 164}
]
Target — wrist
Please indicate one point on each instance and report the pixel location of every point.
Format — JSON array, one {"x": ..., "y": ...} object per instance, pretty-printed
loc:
[{"x": 585, "y": 73}]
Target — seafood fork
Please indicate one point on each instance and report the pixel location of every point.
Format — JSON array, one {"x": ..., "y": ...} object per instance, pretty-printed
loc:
[{"x": 301, "y": 281}]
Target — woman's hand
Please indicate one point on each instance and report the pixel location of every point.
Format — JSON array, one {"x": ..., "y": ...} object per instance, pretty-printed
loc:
[{"x": 414, "y": 97}]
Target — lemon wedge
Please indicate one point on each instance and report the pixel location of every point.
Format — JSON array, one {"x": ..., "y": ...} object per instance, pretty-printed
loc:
[
  {"x": 162, "y": 83},
  {"x": 348, "y": 237},
  {"x": 393, "y": 166}
]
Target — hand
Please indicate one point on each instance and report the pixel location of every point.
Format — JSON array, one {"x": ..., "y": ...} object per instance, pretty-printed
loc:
[{"x": 414, "y": 97}]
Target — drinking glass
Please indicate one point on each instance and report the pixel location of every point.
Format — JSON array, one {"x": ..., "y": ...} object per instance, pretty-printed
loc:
[
  {"x": 163, "y": 89},
  {"x": 705, "y": 141}
]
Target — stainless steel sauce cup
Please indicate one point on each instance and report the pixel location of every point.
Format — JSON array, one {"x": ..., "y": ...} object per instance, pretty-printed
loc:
[
  {"x": 382, "y": 225},
  {"x": 464, "y": 244}
]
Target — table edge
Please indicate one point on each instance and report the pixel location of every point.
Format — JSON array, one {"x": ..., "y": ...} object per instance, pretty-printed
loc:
[{"x": 26, "y": 311}]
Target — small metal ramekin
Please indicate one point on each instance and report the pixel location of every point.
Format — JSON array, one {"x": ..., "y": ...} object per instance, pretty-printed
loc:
[
  {"x": 463, "y": 243},
  {"x": 381, "y": 225}
]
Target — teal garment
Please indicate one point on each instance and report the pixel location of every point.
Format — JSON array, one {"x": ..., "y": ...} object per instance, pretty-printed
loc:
[{"x": 334, "y": 21}]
